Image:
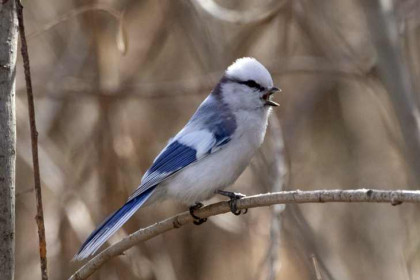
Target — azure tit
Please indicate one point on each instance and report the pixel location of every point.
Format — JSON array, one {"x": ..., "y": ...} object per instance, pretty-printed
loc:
[{"x": 208, "y": 154}]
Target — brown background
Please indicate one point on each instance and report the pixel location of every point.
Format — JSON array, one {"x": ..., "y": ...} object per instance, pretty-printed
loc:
[{"x": 104, "y": 115}]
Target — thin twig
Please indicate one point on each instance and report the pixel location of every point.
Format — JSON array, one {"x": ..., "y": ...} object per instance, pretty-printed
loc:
[
  {"x": 395, "y": 197},
  {"x": 34, "y": 139},
  {"x": 240, "y": 17},
  {"x": 279, "y": 175},
  {"x": 316, "y": 268}
]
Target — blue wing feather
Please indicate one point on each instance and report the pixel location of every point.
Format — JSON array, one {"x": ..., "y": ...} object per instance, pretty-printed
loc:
[
  {"x": 175, "y": 156},
  {"x": 172, "y": 159}
]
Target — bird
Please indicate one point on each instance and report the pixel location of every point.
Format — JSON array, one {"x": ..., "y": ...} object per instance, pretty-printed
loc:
[{"x": 208, "y": 154}]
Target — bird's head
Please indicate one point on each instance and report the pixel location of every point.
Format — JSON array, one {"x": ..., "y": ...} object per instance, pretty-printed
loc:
[{"x": 247, "y": 85}]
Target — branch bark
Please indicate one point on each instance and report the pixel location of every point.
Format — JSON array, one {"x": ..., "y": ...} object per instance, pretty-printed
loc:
[
  {"x": 8, "y": 46},
  {"x": 394, "y": 197}
]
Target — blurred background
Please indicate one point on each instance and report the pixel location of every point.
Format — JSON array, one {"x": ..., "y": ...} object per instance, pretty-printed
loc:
[{"x": 114, "y": 80}]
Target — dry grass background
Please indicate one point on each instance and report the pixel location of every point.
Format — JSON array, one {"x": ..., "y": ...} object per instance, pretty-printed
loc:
[{"x": 103, "y": 116}]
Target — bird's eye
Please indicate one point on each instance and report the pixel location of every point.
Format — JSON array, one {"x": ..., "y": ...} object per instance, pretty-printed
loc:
[{"x": 252, "y": 84}]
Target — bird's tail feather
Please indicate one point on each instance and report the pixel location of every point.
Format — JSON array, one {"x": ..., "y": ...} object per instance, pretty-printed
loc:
[{"x": 102, "y": 233}]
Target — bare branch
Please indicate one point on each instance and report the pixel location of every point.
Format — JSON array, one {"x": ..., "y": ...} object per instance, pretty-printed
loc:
[
  {"x": 34, "y": 139},
  {"x": 8, "y": 46},
  {"x": 278, "y": 183},
  {"x": 239, "y": 17},
  {"x": 395, "y": 197}
]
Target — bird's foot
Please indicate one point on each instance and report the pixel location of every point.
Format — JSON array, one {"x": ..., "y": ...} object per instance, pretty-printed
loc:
[
  {"x": 197, "y": 220},
  {"x": 234, "y": 197}
]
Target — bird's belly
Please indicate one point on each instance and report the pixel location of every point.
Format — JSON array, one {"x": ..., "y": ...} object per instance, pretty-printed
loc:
[{"x": 199, "y": 181}]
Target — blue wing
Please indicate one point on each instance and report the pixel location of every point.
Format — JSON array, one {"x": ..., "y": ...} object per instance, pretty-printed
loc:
[
  {"x": 173, "y": 158},
  {"x": 178, "y": 154}
]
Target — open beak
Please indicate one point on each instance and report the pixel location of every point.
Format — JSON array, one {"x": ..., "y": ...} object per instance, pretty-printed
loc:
[{"x": 267, "y": 97}]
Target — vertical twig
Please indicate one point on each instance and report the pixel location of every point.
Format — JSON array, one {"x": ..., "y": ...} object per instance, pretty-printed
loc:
[
  {"x": 8, "y": 46},
  {"x": 384, "y": 31},
  {"x": 34, "y": 139},
  {"x": 277, "y": 183},
  {"x": 316, "y": 268}
]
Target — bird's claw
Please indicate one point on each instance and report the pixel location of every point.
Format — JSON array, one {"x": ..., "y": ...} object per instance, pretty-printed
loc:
[
  {"x": 197, "y": 220},
  {"x": 234, "y": 197},
  {"x": 234, "y": 209}
]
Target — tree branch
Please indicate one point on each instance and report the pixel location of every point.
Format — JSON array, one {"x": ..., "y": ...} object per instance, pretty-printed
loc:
[
  {"x": 395, "y": 197},
  {"x": 8, "y": 47},
  {"x": 34, "y": 139}
]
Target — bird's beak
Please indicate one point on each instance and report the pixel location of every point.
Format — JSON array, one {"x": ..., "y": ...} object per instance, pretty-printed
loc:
[{"x": 266, "y": 97}]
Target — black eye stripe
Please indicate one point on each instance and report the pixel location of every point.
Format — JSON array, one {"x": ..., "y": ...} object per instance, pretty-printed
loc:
[{"x": 252, "y": 84}]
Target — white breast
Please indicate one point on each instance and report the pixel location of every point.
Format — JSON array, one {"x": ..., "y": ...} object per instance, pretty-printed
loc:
[{"x": 200, "y": 180}]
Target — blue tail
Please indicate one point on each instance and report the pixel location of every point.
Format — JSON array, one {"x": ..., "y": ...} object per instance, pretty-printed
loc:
[{"x": 102, "y": 233}]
